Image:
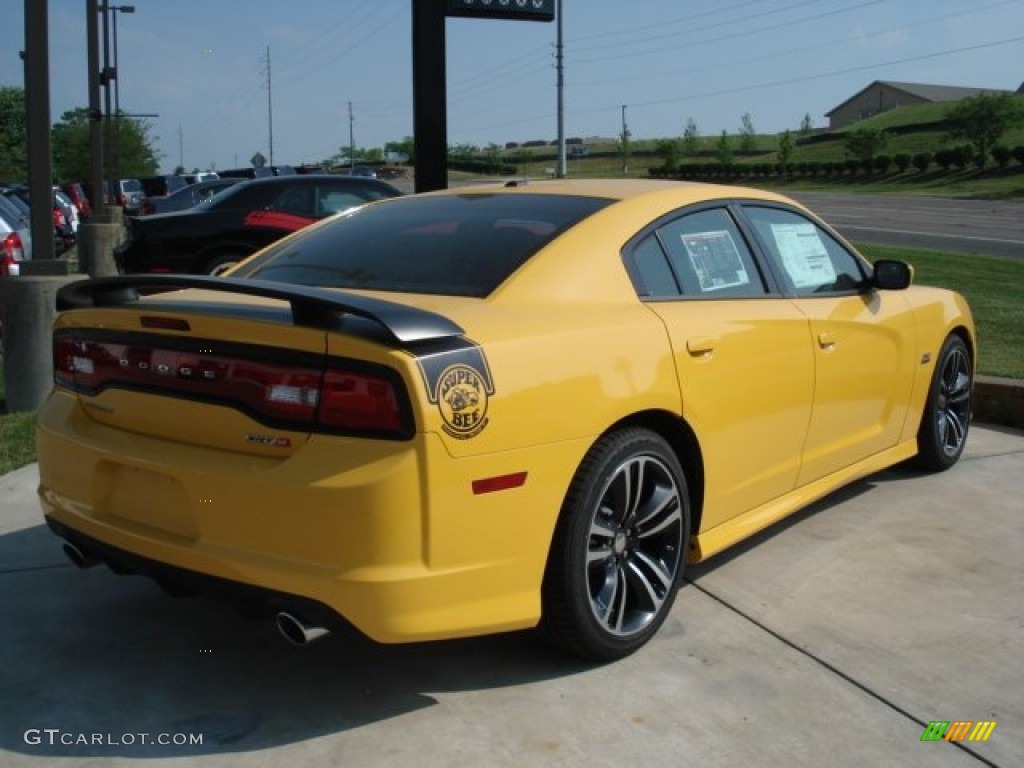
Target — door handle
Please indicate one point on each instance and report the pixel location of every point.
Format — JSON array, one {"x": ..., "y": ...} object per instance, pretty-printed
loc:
[
  {"x": 826, "y": 340},
  {"x": 701, "y": 346}
]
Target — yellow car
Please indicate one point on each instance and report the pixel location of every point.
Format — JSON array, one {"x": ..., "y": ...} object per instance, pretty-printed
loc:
[{"x": 491, "y": 408}]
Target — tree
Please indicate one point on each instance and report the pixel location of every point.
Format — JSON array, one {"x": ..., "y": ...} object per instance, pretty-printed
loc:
[
  {"x": 806, "y": 125},
  {"x": 401, "y": 148},
  {"x": 747, "y": 141},
  {"x": 723, "y": 149},
  {"x": 669, "y": 151},
  {"x": 72, "y": 152},
  {"x": 13, "y": 135},
  {"x": 785, "y": 150},
  {"x": 690, "y": 139},
  {"x": 983, "y": 119},
  {"x": 864, "y": 143},
  {"x": 258, "y": 160}
]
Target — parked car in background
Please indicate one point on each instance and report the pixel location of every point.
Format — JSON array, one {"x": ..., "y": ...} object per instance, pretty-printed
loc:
[
  {"x": 128, "y": 194},
  {"x": 69, "y": 214},
  {"x": 76, "y": 192},
  {"x": 186, "y": 197},
  {"x": 161, "y": 186},
  {"x": 364, "y": 171},
  {"x": 214, "y": 236},
  {"x": 63, "y": 232},
  {"x": 193, "y": 178},
  {"x": 15, "y": 238},
  {"x": 246, "y": 173}
]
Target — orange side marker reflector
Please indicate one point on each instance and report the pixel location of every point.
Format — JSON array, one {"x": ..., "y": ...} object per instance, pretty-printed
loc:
[{"x": 499, "y": 483}]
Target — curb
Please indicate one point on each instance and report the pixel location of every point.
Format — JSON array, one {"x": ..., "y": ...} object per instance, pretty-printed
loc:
[{"x": 999, "y": 401}]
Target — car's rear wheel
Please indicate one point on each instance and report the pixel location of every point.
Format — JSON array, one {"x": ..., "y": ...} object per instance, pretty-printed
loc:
[
  {"x": 619, "y": 548},
  {"x": 947, "y": 414}
]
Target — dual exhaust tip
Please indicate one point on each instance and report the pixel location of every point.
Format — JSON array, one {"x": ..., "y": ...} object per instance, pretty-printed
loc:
[
  {"x": 298, "y": 632},
  {"x": 293, "y": 629}
]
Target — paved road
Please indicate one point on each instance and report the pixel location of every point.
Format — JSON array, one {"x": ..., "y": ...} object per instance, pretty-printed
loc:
[
  {"x": 831, "y": 640},
  {"x": 991, "y": 227}
]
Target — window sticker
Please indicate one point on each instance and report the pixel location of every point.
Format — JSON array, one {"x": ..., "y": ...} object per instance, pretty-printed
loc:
[
  {"x": 804, "y": 255},
  {"x": 716, "y": 260}
]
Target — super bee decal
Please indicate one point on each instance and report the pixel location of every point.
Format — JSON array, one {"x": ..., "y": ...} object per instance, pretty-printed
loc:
[{"x": 459, "y": 383}]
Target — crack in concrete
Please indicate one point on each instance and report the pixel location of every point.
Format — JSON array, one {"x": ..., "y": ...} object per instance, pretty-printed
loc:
[{"x": 863, "y": 687}]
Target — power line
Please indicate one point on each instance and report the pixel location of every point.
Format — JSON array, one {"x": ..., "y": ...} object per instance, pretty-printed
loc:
[
  {"x": 769, "y": 84},
  {"x": 802, "y": 51},
  {"x": 732, "y": 36}
]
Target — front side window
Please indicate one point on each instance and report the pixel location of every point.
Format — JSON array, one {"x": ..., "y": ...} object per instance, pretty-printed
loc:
[{"x": 809, "y": 260}]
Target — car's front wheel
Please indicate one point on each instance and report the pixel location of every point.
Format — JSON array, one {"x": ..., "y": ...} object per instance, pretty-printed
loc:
[
  {"x": 619, "y": 548},
  {"x": 947, "y": 414}
]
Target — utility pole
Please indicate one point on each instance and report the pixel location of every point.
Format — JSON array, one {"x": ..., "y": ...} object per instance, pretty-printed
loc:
[
  {"x": 351, "y": 138},
  {"x": 625, "y": 143},
  {"x": 270, "y": 110},
  {"x": 560, "y": 168},
  {"x": 181, "y": 147}
]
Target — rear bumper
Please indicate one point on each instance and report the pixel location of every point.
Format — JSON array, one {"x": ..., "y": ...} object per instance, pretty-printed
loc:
[
  {"x": 250, "y": 600},
  {"x": 388, "y": 536}
]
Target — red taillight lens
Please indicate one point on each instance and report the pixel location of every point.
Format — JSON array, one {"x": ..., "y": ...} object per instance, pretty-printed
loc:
[
  {"x": 359, "y": 402},
  {"x": 13, "y": 252},
  {"x": 147, "y": 207},
  {"x": 304, "y": 397}
]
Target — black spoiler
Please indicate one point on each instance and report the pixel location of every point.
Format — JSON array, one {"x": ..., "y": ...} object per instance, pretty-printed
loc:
[{"x": 311, "y": 307}]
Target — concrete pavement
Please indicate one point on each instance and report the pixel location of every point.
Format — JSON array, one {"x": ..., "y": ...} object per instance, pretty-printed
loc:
[{"x": 831, "y": 640}]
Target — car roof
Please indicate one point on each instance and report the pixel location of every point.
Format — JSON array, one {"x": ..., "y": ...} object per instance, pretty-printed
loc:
[{"x": 683, "y": 192}]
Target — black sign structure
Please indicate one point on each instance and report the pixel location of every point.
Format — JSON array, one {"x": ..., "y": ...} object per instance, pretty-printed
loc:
[
  {"x": 525, "y": 10},
  {"x": 430, "y": 108}
]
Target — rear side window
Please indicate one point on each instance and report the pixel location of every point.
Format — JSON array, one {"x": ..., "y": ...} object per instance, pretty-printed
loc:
[
  {"x": 464, "y": 245},
  {"x": 699, "y": 254}
]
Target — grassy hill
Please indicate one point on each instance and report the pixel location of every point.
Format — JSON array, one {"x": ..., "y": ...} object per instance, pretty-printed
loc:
[{"x": 910, "y": 130}]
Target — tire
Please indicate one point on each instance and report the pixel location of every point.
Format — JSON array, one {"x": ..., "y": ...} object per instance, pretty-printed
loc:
[
  {"x": 222, "y": 262},
  {"x": 619, "y": 548},
  {"x": 947, "y": 413}
]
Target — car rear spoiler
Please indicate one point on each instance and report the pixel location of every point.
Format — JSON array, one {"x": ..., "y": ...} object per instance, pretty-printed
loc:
[{"x": 310, "y": 307}]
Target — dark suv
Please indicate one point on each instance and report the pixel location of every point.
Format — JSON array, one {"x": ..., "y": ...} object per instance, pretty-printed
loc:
[{"x": 214, "y": 236}]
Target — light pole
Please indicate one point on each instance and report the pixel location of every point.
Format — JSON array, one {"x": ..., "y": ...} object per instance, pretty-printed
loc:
[{"x": 117, "y": 90}]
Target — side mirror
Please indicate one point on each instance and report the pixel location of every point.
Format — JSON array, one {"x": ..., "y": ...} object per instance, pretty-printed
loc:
[{"x": 892, "y": 275}]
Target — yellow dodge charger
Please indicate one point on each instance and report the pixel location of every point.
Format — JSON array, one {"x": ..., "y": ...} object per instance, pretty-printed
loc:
[{"x": 491, "y": 408}]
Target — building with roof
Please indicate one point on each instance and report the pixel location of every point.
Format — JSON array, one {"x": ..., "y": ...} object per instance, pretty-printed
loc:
[{"x": 883, "y": 95}]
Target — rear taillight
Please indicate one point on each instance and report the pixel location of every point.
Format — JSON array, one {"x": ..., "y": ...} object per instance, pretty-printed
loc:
[
  {"x": 358, "y": 401},
  {"x": 366, "y": 400},
  {"x": 13, "y": 253},
  {"x": 147, "y": 207}
]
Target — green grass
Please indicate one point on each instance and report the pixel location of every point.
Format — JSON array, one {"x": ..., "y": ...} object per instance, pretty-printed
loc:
[
  {"x": 17, "y": 440},
  {"x": 993, "y": 287}
]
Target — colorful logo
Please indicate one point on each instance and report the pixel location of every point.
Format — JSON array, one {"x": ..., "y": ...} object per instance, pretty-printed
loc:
[
  {"x": 461, "y": 397},
  {"x": 958, "y": 730}
]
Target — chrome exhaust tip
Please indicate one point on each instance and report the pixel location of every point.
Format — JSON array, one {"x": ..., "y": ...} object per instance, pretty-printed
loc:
[
  {"x": 80, "y": 557},
  {"x": 296, "y": 631}
]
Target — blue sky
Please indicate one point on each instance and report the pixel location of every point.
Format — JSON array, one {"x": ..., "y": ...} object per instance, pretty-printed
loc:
[{"x": 200, "y": 65}]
